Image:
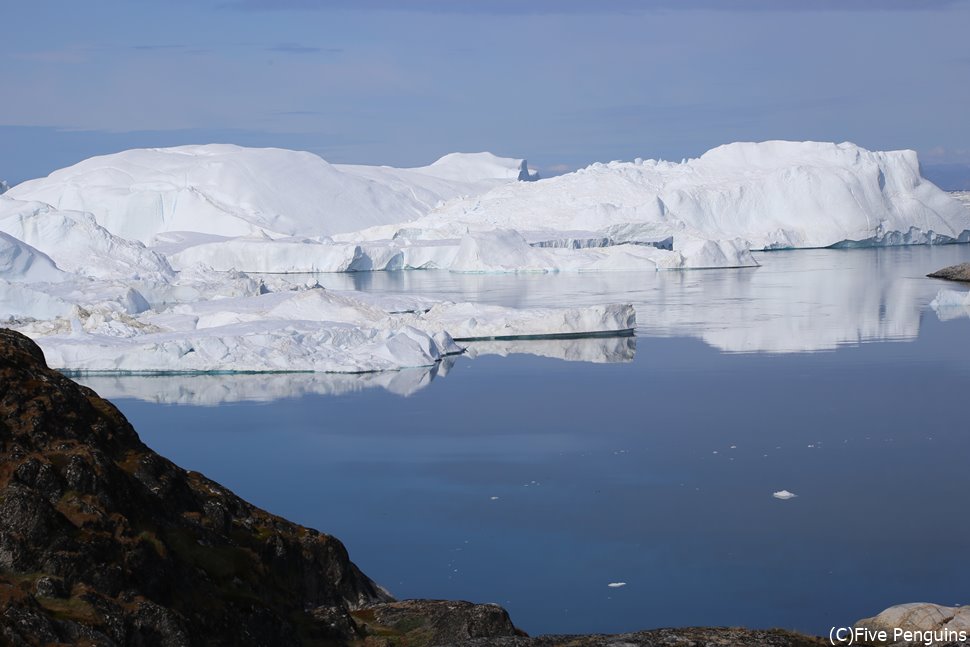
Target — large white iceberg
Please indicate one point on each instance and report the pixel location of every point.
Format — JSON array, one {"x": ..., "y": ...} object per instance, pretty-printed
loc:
[
  {"x": 770, "y": 195},
  {"x": 230, "y": 190},
  {"x": 466, "y": 213}
]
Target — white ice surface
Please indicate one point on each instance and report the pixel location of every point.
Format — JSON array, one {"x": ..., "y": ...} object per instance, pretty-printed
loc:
[
  {"x": 707, "y": 212},
  {"x": 951, "y": 304},
  {"x": 231, "y": 190},
  {"x": 771, "y": 194},
  {"x": 21, "y": 262},
  {"x": 77, "y": 243},
  {"x": 294, "y": 330}
]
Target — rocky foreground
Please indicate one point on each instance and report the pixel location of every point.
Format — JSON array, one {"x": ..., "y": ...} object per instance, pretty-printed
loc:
[{"x": 104, "y": 542}]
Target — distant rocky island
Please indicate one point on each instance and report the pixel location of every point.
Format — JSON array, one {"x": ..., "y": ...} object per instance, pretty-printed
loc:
[
  {"x": 104, "y": 542},
  {"x": 959, "y": 272}
]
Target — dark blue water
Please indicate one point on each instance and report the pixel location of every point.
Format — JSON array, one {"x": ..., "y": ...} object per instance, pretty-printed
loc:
[{"x": 656, "y": 470}]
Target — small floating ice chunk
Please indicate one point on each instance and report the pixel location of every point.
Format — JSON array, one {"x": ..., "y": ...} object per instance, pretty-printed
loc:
[
  {"x": 494, "y": 498},
  {"x": 784, "y": 495},
  {"x": 616, "y": 585}
]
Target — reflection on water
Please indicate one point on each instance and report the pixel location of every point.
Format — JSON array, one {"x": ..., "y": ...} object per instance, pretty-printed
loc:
[
  {"x": 797, "y": 301},
  {"x": 213, "y": 389},
  {"x": 599, "y": 350}
]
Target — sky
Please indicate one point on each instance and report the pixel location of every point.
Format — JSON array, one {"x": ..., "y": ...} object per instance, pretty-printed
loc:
[{"x": 562, "y": 83}]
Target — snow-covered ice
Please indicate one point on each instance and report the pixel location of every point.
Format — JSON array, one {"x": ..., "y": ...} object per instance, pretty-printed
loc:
[
  {"x": 784, "y": 495},
  {"x": 772, "y": 195},
  {"x": 231, "y": 190},
  {"x": 21, "y": 262},
  {"x": 703, "y": 213}
]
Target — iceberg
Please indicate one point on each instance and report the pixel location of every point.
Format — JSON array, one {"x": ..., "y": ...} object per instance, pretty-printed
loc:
[
  {"x": 229, "y": 208},
  {"x": 770, "y": 195},
  {"x": 951, "y": 304},
  {"x": 708, "y": 212},
  {"x": 145, "y": 260},
  {"x": 309, "y": 329},
  {"x": 231, "y": 191}
]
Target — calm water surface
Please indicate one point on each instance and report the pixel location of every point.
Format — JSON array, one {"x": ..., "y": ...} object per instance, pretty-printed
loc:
[{"x": 534, "y": 474}]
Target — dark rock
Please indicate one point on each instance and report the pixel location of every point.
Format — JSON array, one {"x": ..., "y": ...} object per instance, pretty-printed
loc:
[
  {"x": 50, "y": 587},
  {"x": 959, "y": 272},
  {"x": 102, "y": 540},
  {"x": 436, "y": 622},
  {"x": 682, "y": 637}
]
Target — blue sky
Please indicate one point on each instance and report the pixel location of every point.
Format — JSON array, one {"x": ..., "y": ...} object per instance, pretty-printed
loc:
[{"x": 561, "y": 82}]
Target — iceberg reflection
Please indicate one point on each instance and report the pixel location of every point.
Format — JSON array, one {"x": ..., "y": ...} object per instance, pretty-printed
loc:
[
  {"x": 210, "y": 389},
  {"x": 798, "y": 301}
]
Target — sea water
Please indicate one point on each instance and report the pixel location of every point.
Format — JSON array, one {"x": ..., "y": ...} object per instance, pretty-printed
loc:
[{"x": 536, "y": 474}]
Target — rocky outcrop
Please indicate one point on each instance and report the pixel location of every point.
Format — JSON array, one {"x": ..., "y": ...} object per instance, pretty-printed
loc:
[
  {"x": 959, "y": 272},
  {"x": 683, "y": 637},
  {"x": 921, "y": 623},
  {"x": 434, "y": 622},
  {"x": 103, "y": 540}
]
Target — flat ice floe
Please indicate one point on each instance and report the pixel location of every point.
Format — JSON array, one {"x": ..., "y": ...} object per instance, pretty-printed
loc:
[{"x": 310, "y": 329}]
